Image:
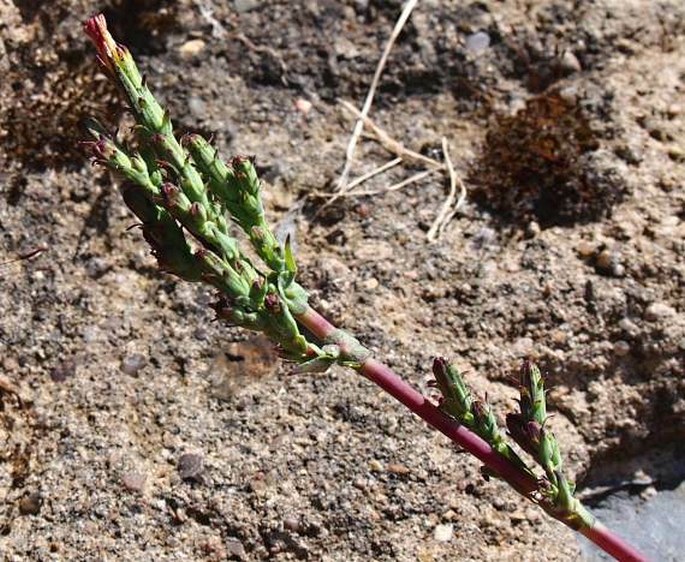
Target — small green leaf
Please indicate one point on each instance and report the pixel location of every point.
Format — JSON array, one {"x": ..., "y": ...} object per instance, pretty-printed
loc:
[{"x": 290, "y": 264}]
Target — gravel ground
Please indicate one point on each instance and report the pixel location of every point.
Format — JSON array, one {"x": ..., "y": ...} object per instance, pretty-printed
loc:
[{"x": 133, "y": 427}]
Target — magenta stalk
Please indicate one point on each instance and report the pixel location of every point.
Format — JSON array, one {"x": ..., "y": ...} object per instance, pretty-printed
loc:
[
  {"x": 611, "y": 543},
  {"x": 384, "y": 377}
]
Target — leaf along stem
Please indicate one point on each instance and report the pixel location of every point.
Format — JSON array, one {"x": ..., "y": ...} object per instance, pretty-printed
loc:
[{"x": 402, "y": 391}]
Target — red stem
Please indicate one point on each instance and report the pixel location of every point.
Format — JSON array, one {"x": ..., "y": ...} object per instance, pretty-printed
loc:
[
  {"x": 384, "y": 377},
  {"x": 611, "y": 543}
]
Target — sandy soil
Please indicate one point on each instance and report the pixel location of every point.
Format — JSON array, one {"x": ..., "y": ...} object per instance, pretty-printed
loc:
[{"x": 132, "y": 427}]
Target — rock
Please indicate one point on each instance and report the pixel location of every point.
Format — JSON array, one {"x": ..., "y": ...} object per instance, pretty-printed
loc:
[
  {"x": 477, "y": 43},
  {"x": 608, "y": 263},
  {"x": 569, "y": 63},
  {"x": 96, "y": 267},
  {"x": 398, "y": 469},
  {"x": 651, "y": 522},
  {"x": 375, "y": 465},
  {"x": 533, "y": 229},
  {"x": 631, "y": 154},
  {"x": 444, "y": 532},
  {"x": 92, "y": 334},
  {"x": 235, "y": 549},
  {"x": 621, "y": 348},
  {"x": 292, "y": 523},
  {"x": 134, "y": 481},
  {"x": 676, "y": 154},
  {"x": 377, "y": 251},
  {"x": 604, "y": 260},
  {"x": 659, "y": 310},
  {"x": 585, "y": 248},
  {"x": 30, "y": 505},
  {"x": 629, "y": 327},
  {"x": 131, "y": 364},
  {"x": 303, "y": 106},
  {"x": 63, "y": 371},
  {"x": 191, "y": 48},
  {"x": 190, "y": 467},
  {"x": 197, "y": 107},
  {"x": 242, "y": 6}
]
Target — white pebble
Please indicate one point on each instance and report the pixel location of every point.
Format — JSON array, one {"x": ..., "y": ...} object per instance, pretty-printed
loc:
[{"x": 443, "y": 533}]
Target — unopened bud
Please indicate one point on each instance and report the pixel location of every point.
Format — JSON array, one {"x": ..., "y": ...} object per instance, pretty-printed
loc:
[
  {"x": 258, "y": 235},
  {"x": 198, "y": 212},
  {"x": 104, "y": 149},
  {"x": 273, "y": 303}
]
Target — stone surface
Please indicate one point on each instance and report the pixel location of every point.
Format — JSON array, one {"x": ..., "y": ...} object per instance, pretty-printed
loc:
[{"x": 489, "y": 291}]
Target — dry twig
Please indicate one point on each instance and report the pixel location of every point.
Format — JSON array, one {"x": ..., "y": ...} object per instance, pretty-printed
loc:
[
  {"x": 449, "y": 208},
  {"x": 359, "y": 125},
  {"x": 395, "y": 187},
  {"x": 378, "y": 170},
  {"x": 389, "y": 143}
]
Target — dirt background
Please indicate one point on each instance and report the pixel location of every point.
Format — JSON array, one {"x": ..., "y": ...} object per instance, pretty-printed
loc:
[{"x": 142, "y": 430}]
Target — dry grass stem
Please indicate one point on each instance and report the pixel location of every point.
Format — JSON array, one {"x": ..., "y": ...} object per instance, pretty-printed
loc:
[
  {"x": 359, "y": 125},
  {"x": 378, "y": 170},
  {"x": 389, "y": 143},
  {"x": 449, "y": 208},
  {"x": 395, "y": 187}
]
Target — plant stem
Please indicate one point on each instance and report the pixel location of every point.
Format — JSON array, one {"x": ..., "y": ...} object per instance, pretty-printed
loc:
[
  {"x": 394, "y": 385},
  {"x": 611, "y": 543}
]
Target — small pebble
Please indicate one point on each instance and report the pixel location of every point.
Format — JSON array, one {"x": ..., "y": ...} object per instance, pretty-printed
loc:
[
  {"x": 569, "y": 63},
  {"x": 559, "y": 337},
  {"x": 370, "y": 284},
  {"x": 242, "y": 6},
  {"x": 303, "y": 106},
  {"x": 197, "y": 107},
  {"x": 444, "y": 532},
  {"x": 63, "y": 371},
  {"x": 235, "y": 549},
  {"x": 360, "y": 484},
  {"x": 477, "y": 42},
  {"x": 659, "y": 310},
  {"x": 134, "y": 481},
  {"x": 30, "y": 505},
  {"x": 190, "y": 467},
  {"x": 375, "y": 465},
  {"x": 621, "y": 348},
  {"x": 533, "y": 229},
  {"x": 131, "y": 364},
  {"x": 676, "y": 154},
  {"x": 604, "y": 259},
  {"x": 398, "y": 469},
  {"x": 191, "y": 48},
  {"x": 585, "y": 248},
  {"x": 258, "y": 485},
  {"x": 674, "y": 110},
  {"x": 631, "y": 154},
  {"x": 200, "y": 333},
  {"x": 96, "y": 267},
  {"x": 629, "y": 327},
  {"x": 291, "y": 523},
  {"x": 91, "y": 334},
  {"x": 608, "y": 263}
]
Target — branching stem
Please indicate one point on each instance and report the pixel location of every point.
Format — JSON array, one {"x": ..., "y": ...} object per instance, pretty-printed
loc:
[{"x": 402, "y": 391}]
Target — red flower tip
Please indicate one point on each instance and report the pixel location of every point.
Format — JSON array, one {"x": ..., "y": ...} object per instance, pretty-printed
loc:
[{"x": 108, "y": 51}]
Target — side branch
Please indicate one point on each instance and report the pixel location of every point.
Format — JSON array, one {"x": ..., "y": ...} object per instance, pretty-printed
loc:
[{"x": 402, "y": 391}]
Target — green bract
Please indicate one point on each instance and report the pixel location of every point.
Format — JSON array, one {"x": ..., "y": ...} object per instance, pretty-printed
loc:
[{"x": 186, "y": 198}]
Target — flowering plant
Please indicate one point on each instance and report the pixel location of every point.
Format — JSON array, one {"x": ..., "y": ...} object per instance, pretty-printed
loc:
[{"x": 185, "y": 197}]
